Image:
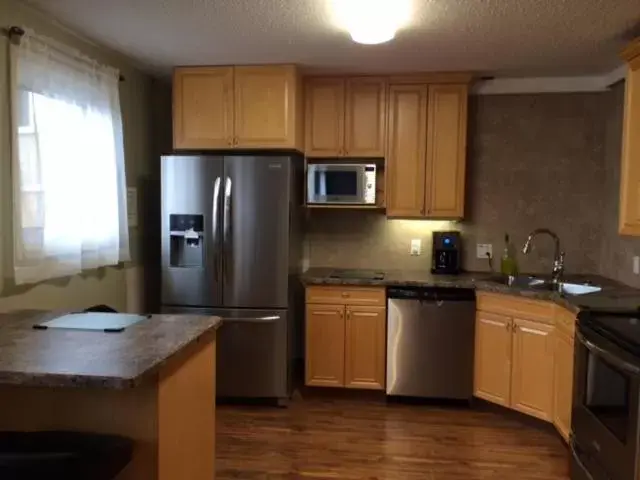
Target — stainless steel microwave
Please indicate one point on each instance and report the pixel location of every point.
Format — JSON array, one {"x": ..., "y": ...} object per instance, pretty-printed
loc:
[{"x": 341, "y": 184}]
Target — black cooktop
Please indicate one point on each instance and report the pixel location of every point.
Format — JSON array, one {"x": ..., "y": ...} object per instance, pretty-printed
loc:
[
  {"x": 621, "y": 327},
  {"x": 357, "y": 274}
]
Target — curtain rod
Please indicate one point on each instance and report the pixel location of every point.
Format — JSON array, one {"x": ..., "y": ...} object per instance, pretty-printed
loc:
[{"x": 19, "y": 32}]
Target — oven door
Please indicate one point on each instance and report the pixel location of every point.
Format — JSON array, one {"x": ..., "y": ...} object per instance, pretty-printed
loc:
[
  {"x": 336, "y": 184},
  {"x": 605, "y": 404}
]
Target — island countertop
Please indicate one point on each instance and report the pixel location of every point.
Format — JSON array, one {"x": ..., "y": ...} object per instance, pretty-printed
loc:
[{"x": 93, "y": 359}]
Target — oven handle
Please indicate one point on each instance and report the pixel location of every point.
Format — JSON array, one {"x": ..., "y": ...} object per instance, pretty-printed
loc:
[
  {"x": 609, "y": 357},
  {"x": 576, "y": 457}
]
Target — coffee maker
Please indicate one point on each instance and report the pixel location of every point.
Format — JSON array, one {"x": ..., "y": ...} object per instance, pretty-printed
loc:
[{"x": 447, "y": 253}]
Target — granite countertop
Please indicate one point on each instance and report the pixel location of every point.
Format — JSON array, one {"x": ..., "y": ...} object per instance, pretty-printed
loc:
[
  {"x": 613, "y": 296},
  {"x": 93, "y": 359}
]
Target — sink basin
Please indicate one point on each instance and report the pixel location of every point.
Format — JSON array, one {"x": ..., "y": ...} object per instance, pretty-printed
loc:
[
  {"x": 578, "y": 289},
  {"x": 567, "y": 288}
]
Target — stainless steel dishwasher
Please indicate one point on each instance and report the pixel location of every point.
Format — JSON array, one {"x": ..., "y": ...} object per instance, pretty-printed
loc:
[{"x": 430, "y": 339}]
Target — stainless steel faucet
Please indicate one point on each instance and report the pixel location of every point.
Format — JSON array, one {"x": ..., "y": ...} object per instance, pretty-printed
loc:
[{"x": 558, "y": 260}]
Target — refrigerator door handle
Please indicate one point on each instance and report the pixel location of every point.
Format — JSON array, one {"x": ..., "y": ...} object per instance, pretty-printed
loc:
[
  {"x": 227, "y": 222},
  {"x": 214, "y": 221}
]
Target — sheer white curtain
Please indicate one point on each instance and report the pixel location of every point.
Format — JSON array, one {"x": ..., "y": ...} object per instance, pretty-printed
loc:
[{"x": 69, "y": 188}]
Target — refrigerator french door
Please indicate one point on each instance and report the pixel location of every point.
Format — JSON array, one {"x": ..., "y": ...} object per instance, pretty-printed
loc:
[{"x": 225, "y": 251}]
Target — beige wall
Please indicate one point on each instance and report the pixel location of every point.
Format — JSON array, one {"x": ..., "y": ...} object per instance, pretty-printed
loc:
[
  {"x": 533, "y": 161},
  {"x": 113, "y": 286}
]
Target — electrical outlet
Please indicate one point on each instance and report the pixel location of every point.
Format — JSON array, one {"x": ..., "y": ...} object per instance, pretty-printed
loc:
[
  {"x": 416, "y": 247},
  {"x": 482, "y": 249},
  {"x": 636, "y": 265}
]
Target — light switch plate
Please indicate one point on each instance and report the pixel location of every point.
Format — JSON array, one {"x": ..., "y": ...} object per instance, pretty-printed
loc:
[
  {"x": 416, "y": 247},
  {"x": 482, "y": 249},
  {"x": 636, "y": 265}
]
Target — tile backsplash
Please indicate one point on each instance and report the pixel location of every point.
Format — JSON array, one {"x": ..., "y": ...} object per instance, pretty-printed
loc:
[{"x": 546, "y": 160}]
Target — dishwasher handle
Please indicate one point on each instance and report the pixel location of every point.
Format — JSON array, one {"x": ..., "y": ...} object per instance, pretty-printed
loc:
[{"x": 432, "y": 294}]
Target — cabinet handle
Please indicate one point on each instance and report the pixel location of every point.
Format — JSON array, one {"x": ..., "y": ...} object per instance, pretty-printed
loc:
[
  {"x": 230, "y": 142},
  {"x": 235, "y": 141},
  {"x": 341, "y": 313},
  {"x": 348, "y": 314},
  {"x": 508, "y": 326}
]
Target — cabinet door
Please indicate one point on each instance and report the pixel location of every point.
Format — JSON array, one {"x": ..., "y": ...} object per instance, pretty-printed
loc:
[
  {"x": 492, "y": 358},
  {"x": 562, "y": 383},
  {"x": 629, "y": 221},
  {"x": 406, "y": 150},
  {"x": 365, "y": 117},
  {"x": 265, "y": 107},
  {"x": 446, "y": 151},
  {"x": 365, "y": 348},
  {"x": 324, "y": 117},
  {"x": 325, "y": 338},
  {"x": 203, "y": 107},
  {"x": 532, "y": 374}
]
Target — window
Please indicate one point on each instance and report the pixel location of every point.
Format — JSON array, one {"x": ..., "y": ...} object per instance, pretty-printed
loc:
[{"x": 68, "y": 163}]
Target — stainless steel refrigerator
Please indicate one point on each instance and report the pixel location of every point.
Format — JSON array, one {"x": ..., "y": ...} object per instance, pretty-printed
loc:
[{"x": 231, "y": 247}]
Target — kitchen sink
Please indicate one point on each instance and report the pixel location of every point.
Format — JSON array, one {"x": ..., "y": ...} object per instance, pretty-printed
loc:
[
  {"x": 526, "y": 281},
  {"x": 578, "y": 288},
  {"x": 566, "y": 288}
]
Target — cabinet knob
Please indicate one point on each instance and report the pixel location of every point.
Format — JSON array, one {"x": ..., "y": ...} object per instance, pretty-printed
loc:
[
  {"x": 508, "y": 326},
  {"x": 345, "y": 294},
  {"x": 348, "y": 314},
  {"x": 235, "y": 141},
  {"x": 230, "y": 142}
]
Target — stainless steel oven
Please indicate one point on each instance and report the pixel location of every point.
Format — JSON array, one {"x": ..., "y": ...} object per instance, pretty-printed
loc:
[
  {"x": 341, "y": 183},
  {"x": 605, "y": 430}
]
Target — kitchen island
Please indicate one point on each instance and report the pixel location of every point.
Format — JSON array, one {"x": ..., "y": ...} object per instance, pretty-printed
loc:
[{"x": 154, "y": 382}]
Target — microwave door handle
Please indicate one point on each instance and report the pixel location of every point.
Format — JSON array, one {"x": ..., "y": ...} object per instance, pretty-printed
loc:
[{"x": 612, "y": 359}]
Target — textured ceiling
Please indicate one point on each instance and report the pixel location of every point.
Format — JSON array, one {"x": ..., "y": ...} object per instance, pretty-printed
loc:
[{"x": 510, "y": 37}]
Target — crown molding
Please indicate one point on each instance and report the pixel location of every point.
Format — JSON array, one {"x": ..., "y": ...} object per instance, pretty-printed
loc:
[{"x": 512, "y": 86}]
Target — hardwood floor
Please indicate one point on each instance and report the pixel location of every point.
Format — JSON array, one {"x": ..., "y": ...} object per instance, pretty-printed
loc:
[{"x": 363, "y": 439}]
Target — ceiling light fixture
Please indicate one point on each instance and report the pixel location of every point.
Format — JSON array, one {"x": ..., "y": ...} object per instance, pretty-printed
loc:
[{"x": 372, "y": 21}]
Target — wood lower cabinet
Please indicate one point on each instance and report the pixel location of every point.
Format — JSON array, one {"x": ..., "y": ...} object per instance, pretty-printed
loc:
[
  {"x": 532, "y": 369},
  {"x": 563, "y": 383},
  {"x": 492, "y": 361},
  {"x": 521, "y": 361},
  {"x": 365, "y": 347},
  {"x": 345, "y": 343},
  {"x": 203, "y": 107},
  {"x": 237, "y": 107},
  {"x": 325, "y": 345}
]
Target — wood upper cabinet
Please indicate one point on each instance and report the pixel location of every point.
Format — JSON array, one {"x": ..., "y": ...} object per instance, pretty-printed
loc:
[
  {"x": 532, "y": 376},
  {"x": 406, "y": 151},
  {"x": 629, "y": 220},
  {"x": 492, "y": 362},
  {"x": 237, "y": 107},
  {"x": 365, "y": 347},
  {"x": 345, "y": 117},
  {"x": 325, "y": 342},
  {"x": 562, "y": 383},
  {"x": 446, "y": 150},
  {"x": 365, "y": 117},
  {"x": 203, "y": 107},
  {"x": 265, "y": 106},
  {"x": 324, "y": 117}
]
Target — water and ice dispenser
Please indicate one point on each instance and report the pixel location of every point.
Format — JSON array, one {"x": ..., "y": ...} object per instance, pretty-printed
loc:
[{"x": 187, "y": 241}]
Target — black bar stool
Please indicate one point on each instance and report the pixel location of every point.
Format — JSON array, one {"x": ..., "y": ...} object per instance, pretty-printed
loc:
[{"x": 62, "y": 455}]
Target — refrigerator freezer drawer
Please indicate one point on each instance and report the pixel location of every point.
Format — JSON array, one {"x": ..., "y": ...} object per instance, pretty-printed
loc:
[{"x": 252, "y": 352}]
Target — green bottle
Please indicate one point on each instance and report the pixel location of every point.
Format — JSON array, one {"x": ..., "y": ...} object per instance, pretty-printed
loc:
[{"x": 508, "y": 262}]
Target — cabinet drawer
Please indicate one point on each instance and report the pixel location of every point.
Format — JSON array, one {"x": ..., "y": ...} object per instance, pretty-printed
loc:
[
  {"x": 565, "y": 321},
  {"x": 519, "y": 307},
  {"x": 367, "y": 296}
]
